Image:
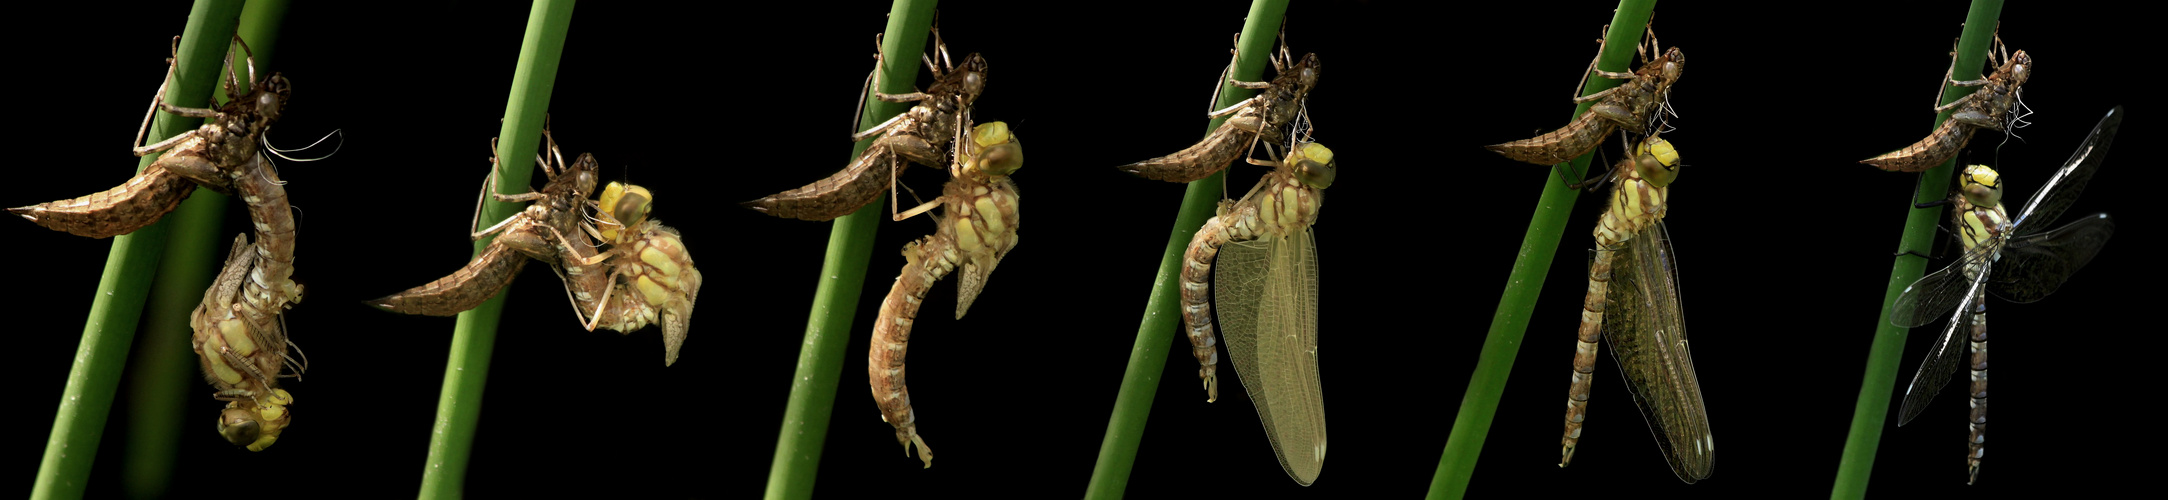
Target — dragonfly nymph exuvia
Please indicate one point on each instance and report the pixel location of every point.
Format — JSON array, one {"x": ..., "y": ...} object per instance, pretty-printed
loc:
[{"x": 2017, "y": 259}]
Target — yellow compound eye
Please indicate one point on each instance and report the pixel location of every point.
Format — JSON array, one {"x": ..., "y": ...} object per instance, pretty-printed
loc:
[
  {"x": 1983, "y": 187},
  {"x": 1000, "y": 152},
  {"x": 1657, "y": 162},
  {"x": 1314, "y": 165},
  {"x": 627, "y": 204}
]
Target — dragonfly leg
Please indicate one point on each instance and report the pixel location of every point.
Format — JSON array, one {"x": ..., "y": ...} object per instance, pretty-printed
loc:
[
  {"x": 1231, "y": 109},
  {"x": 879, "y": 129}
]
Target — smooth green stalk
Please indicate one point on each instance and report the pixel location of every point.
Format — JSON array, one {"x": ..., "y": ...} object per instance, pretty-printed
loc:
[
  {"x": 459, "y": 408},
  {"x": 1872, "y": 410},
  {"x": 1510, "y": 322},
  {"x": 1155, "y": 333},
  {"x": 164, "y": 368},
  {"x": 842, "y": 277},
  {"x": 118, "y": 304}
]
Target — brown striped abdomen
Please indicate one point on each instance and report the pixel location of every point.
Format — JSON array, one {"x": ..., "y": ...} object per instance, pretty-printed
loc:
[
  {"x": 464, "y": 289},
  {"x": 1584, "y": 352},
  {"x": 1559, "y": 146},
  {"x": 1197, "y": 301},
  {"x": 270, "y": 288},
  {"x": 930, "y": 259},
  {"x": 1976, "y": 439},
  {"x": 1938, "y": 147},
  {"x": 123, "y": 209},
  {"x": 841, "y": 193},
  {"x": 1199, "y": 160}
]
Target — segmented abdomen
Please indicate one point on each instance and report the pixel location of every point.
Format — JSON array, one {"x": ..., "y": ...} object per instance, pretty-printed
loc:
[
  {"x": 1584, "y": 352},
  {"x": 1573, "y": 140},
  {"x": 464, "y": 289},
  {"x": 933, "y": 259},
  {"x": 1976, "y": 440},
  {"x": 1197, "y": 300},
  {"x": 121, "y": 210},
  {"x": 270, "y": 288},
  {"x": 838, "y": 195},
  {"x": 1938, "y": 147},
  {"x": 1199, "y": 160}
]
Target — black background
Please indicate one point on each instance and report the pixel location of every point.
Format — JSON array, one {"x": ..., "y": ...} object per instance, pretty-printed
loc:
[{"x": 1784, "y": 242}]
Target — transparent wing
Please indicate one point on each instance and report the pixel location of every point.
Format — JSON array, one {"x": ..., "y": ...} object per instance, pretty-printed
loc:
[
  {"x": 1937, "y": 293},
  {"x": 1940, "y": 364},
  {"x": 2035, "y": 265},
  {"x": 1643, "y": 326},
  {"x": 1266, "y": 295},
  {"x": 2063, "y": 188}
]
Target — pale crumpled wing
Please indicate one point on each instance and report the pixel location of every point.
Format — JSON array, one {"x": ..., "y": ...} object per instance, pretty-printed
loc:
[
  {"x": 1643, "y": 325},
  {"x": 1266, "y": 295}
]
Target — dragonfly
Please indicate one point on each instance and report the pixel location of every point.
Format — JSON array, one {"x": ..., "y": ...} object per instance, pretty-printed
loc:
[
  {"x": 540, "y": 231},
  {"x": 205, "y": 156},
  {"x": 1638, "y": 104},
  {"x": 2011, "y": 258},
  {"x": 920, "y": 135},
  {"x": 976, "y": 229},
  {"x": 1633, "y": 305},
  {"x": 239, "y": 333},
  {"x": 649, "y": 279},
  {"x": 1261, "y": 119},
  {"x": 1995, "y": 105},
  {"x": 1265, "y": 286},
  {"x": 244, "y": 353}
]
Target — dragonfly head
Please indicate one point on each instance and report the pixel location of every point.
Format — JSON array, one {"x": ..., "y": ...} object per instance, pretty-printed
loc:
[
  {"x": 1000, "y": 152},
  {"x": 1314, "y": 165},
  {"x": 255, "y": 424},
  {"x": 584, "y": 170},
  {"x": 2018, "y": 67},
  {"x": 626, "y": 204},
  {"x": 1306, "y": 72},
  {"x": 1674, "y": 64},
  {"x": 972, "y": 76},
  {"x": 1983, "y": 187},
  {"x": 1656, "y": 161},
  {"x": 275, "y": 92}
]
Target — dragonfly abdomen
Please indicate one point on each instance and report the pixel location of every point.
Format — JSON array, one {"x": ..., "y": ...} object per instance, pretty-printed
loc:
[
  {"x": 1558, "y": 146},
  {"x": 1197, "y": 296},
  {"x": 1938, "y": 147},
  {"x": 1198, "y": 160},
  {"x": 1584, "y": 352},
  {"x": 928, "y": 259},
  {"x": 121, "y": 210}
]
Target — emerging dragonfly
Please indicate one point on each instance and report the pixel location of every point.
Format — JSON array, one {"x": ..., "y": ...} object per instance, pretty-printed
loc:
[
  {"x": 1264, "y": 118},
  {"x": 1994, "y": 106},
  {"x": 540, "y": 231},
  {"x": 1639, "y": 104},
  {"x": 207, "y": 156},
  {"x": 239, "y": 333},
  {"x": 2009, "y": 257},
  {"x": 1633, "y": 304},
  {"x": 920, "y": 135},
  {"x": 650, "y": 278},
  {"x": 1266, "y": 291},
  {"x": 977, "y": 228}
]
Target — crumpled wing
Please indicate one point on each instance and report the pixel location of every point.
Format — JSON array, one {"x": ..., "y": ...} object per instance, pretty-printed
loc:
[
  {"x": 970, "y": 280},
  {"x": 1266, "y": 295},
  {"x": 1642, "y": 324},
  {"x": 1941, "y": 362},
  {"x": 2035, "y": 265}
]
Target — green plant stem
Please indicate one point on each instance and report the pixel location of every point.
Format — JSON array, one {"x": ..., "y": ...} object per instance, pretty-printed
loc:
[
  {"x": 122, "y": 288},
  {"x": 843, "y": 276},
  {"x": 1155, "y": 333},
  {"x": 164, "y": 368},
  {"x": 1525, "y": 283},
  {"x": 1872, "y": 410},
  {"x": 459, "y": 408}
]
